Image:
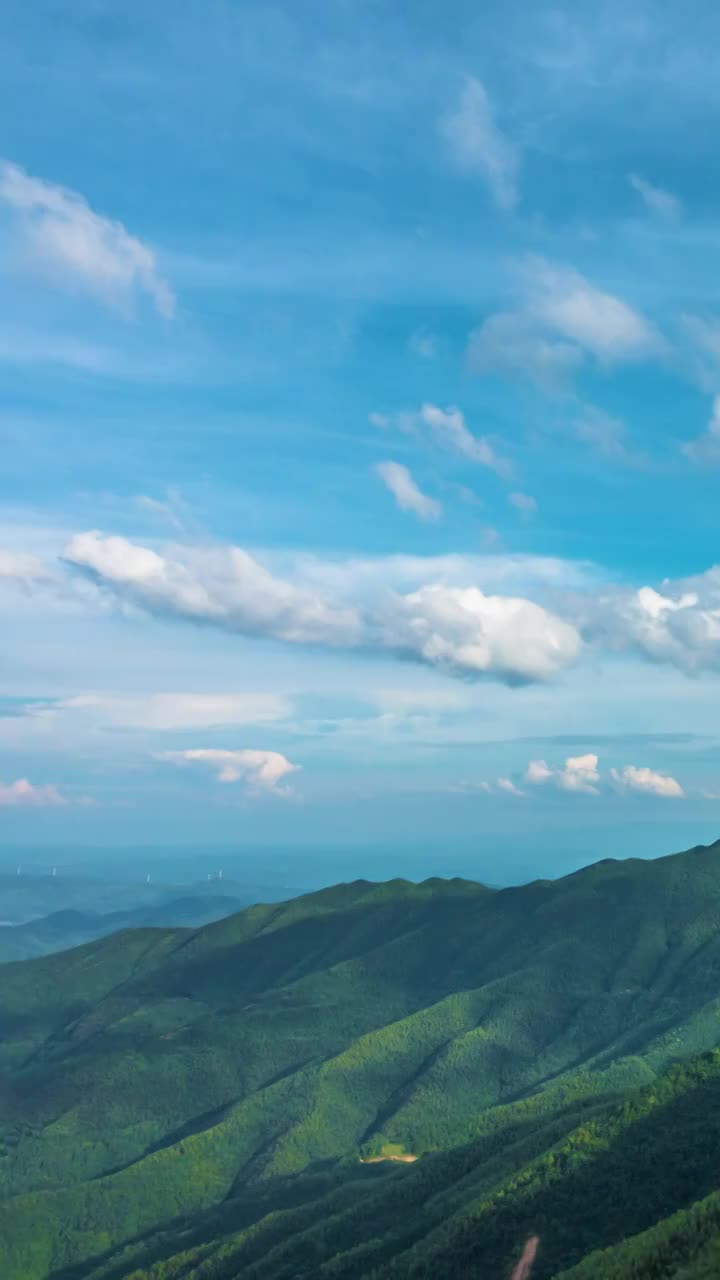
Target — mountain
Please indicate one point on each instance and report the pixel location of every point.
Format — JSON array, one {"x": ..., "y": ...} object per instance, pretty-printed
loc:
[
  {"x": 40, "y": 914},
  {"x": 245, "y": 1099},
  {"x": 69, "y": 928}
]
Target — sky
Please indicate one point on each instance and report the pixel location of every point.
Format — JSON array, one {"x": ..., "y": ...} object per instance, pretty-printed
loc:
[{"x": 360, "y": 428}]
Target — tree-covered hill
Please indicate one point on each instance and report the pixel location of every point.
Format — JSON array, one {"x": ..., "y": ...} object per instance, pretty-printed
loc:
[
  {"x": 210, "y": 1089},
  {"x": 71, "y": 928}
]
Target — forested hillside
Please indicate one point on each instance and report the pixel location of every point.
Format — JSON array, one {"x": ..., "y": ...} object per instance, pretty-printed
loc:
[{"x": 216, "y": 1102}]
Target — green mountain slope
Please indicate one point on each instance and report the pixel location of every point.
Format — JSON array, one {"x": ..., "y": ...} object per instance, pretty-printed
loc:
[
  {"x": 578, "y": 1184},
  {"x": 158, "y": 1080},
  {"x": 685, "y": 1246}
]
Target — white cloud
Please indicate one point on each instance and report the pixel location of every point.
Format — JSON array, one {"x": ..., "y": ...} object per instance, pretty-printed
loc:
[
  {"x": 258, "y": 770},
  {"x": 706, "y": 448},
  {"x": 460, "y": 629},
  {"x": 468, "y": 632},
  {"x": 406, "y": 493},
  {"x": 450, "y": 428},
  {"x": 566, "y": 303},
  {"x": 508, "y": 786},
  {"x": 562, "y": 320},
  {"x": 647, "y": 781},
  {"x": 17, "y": 566},
  {"x": 679, "y": 624},
  {"x": 510, "y": 344},
  {"x": 524, "y": 503},
  {"x": 478, "y": 146},
  {"x": 579, "y": 773},
  {"x": 23, "y": 794},
  {"x": 660, "y": 202},
  {"x": 224, "y": 586},
  {"x": 176, "y": 710},
  {"x": 505, "y": 786},
  {"x": 65, "y": 239}
]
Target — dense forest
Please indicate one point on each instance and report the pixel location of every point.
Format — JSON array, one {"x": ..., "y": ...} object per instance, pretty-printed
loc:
[{"x": 376, "y": 1081}]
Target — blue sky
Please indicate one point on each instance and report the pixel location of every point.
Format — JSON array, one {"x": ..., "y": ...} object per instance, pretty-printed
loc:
[{"x": 359, "y": 427}]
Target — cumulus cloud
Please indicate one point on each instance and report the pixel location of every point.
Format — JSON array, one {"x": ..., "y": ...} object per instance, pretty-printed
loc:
[
  {"x": 258, "y": 770},
  {"x": 659, "y": 202},
  {"x": 478, "y": 146},
  {"x": 579, "y": 773},
  {"x": 647, "y": 781},
  {"x": 508, "y": 786},
  {"x": 460, "y": 629},
  {"x": 405, "y": 491},
  {"x": 503, "y": 786},
  {"x": 679, "y": 624},
  {"x": 465, "y": 631},
  {"x": 65, "y": 239},
  {"x": 23, "y": 794},
  {"x": 451, "y": 430},
  {"x": 164, "y": 711},
  {"x": 524, "y": 503},
  {"x": 706, "y": 448}
]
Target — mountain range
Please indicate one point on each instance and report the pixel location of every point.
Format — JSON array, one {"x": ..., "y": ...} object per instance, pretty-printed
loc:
[
  {"x": 375, "y": 1081},
  {"x": 40, "y": 914}
]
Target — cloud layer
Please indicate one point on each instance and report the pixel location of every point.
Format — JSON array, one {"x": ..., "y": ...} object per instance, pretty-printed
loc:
[{"x": 168, "y": 711}]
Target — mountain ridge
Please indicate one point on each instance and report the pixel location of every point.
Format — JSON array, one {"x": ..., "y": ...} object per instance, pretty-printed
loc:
[{"x": 192, "y": 1066}]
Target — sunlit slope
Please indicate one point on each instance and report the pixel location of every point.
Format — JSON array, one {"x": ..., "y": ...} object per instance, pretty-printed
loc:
[
  {"x": 151, "y": 1075},
  {"x": 582, "y": 1183}
]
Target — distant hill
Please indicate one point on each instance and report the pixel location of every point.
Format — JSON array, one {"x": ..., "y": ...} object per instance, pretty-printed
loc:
[
  {"x": 40, "y": 914},
  {"x": 225, "y": 1101},
  {"x": 70, "y": 928}
]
